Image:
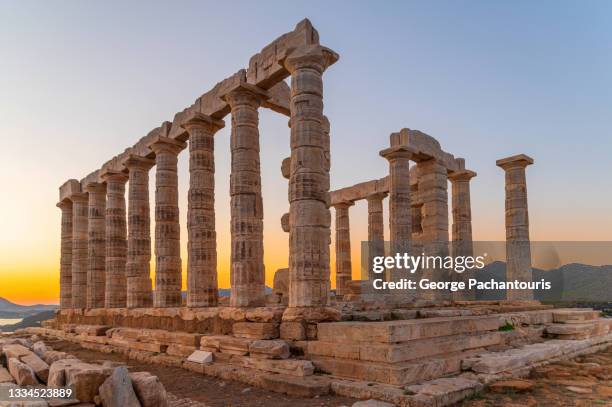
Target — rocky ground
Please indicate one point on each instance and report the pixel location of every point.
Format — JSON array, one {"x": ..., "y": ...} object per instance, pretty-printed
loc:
[
  {"x": 212, "y": 392},
  {"x": 582, "y": 382}
]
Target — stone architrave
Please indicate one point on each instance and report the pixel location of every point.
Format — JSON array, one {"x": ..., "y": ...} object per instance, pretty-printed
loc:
[
  {"x": 66, "y": 254},
  {"x": 79, "y": 249},
  {"x": 247, "y": 272},
  {"x": 518, "y": 250},
  {"x": 376, "y": 228},
  {"x": 137, "y": 270},
  {"x": 168, "y": 281},
  {"x": 116, "y": 239},
  {"x": 202, "y": 286},
  {"x": 96, "y": 244},
  {"x": 462, "y": 244},
  {"x": 310, "y": 220},
  {"x": 343, "y": 247}
]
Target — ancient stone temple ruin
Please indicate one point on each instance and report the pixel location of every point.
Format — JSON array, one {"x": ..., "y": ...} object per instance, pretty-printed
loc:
[{"x": 304, "y": 338}]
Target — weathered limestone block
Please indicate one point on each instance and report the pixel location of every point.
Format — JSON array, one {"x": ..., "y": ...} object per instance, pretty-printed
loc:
[
  {"x": 53, "y": 356},
  {"x": 66, "y": 255},
  {"x": 269, "y": 349},
  {"x": 306, "y": 386},
  {"x": 202, "y": 287},
  {"x": 167, "y": 226},
  {"x": 92, "y": 330},
  {"x": 79, "y": 249},
  {"x": 406, "y": 330},
  {"x": 372, "y": 403},
  {"x": 96, "y": 244},
  {"x": 200, "y": 357},
  {"x": 15, "y": 350},
  {"x": 247, "y": 267},
  {"x": 116, "y": 240},
  {"x": 225, "y": 344},
  {"x": 86, "y": 380},
  {"x": 291, "y": 367},
  {"x": 518, "y": 251},
  {"x": 264, "y": 314},
  {"x": 117, "y": 390},
  {"x": 40, "y": 348},
  {"x": 22, "y": 373},
  {"x": 180, "y": 350},
  {"x": 577, "y": 316},
  {"x": 446, "y": 391},
  {"x": 295, "y": 331},
  {"x": 149, "y": 390},
  {"x": 343, "y": 247},
  {"x": 138, "y": 274},
  {"x": 256, "y": 330},
  {"x": 5, "y": 376},
  {"x": 309, "y": 234},
  {"x": 40, "y": 368}
]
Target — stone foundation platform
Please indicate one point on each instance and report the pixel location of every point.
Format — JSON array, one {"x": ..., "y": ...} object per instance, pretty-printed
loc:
[{"x": 419, "y": 357}]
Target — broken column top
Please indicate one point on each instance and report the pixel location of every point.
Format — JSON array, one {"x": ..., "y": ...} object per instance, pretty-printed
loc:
[
  {"x": 519, "y": 160},
  {"x": 426, "y": 147}
]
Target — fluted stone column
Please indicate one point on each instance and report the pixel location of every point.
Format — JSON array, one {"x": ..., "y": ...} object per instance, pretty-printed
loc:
[
  {"x": 138, "y": 273},
  {"x": 96, "y": 246},
  {"x": 518, "y": 251},
  {"x": 247, "y": 273},
  {"x": 202, "y": 286},
  {"x": 462, "y": 226},
  {"x": 66, "y": 255},
  {"x": 168, "y": 271},
  {"x": 376, "y": 230},
  {"x": 116, "y": 239},
  {"x": 310, "y": 220},
  {"x": 79, "y": 249},
  {"x": 343, "y": 247},
  {"x": 400, "y": 225}
]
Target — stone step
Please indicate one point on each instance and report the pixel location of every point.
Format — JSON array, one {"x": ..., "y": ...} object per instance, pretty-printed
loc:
[
  {"x": 587, "y": 329},
  {"x": 404, "y": 330},
  {"x": 575, "y": 316},
  {"x": 395, "y": 374},
  {"x": 405, "y": 351}
]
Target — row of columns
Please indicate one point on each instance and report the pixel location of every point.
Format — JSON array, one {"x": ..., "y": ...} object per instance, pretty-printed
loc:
[{"x": 106, "y": 252}]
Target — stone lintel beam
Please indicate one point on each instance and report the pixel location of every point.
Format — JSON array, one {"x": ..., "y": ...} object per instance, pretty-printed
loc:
[
  {"x": 266, "y": 68},
  {"x": 137, "y": 161},
  {"x": 68, "y": 188},
  {"x": 360, "y": 191},
  {"x": 425, "y": 148},
  {"x": 515, "y": 161}
]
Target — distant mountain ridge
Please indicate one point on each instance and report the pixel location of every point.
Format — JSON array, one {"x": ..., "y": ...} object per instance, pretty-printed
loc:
[{"x": 6, "y": 305}]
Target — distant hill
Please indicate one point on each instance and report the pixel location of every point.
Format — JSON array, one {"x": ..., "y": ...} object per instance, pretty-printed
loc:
[
  {"x": 570, "y": 283},
  {"x": 29, "y": 321},
  {"x": 10, "y": 310}
]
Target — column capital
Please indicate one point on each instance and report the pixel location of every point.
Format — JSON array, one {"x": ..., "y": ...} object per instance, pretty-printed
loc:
[
  {"x": 245, "y": 93},
  {"x": 343, "y": 204},
  {"x": 203, "y": 121},
  {"x": 377, "y": 196},
  {"x": 136, "y": 161},
  {"x": 310, "y": 56},
  {"x": 93, "y": 187},
  {"x": 160, "y": 143},
  {"x": 515, "y": 161},
  {"x": 64, "y": 204},
  {"x": 463, "y": 175},
  {"x": 112, "y": 175},
  {"x": 79, "y": 197},
  {"x": 397, "y": 152}
]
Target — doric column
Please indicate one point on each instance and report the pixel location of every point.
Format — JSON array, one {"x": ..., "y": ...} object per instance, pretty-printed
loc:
[
  {"x": 247, "y": 273},
  {"x": 116, "y": 239},
  {"x": 309, "y": 181},
  {"x": 138, "y": 273},
  {"x": 462, "y": 226},
  {"x": 96, "y": 246},
  {"x": 343, "y": 247},
  {"x": 400, "y": 225},
  {"x": 376, "y": 230},
  {"x": 202, "y": 286},
  {"x": 168, "y": 271},
  {"x": 518, "y": 251},
  {"x": 66, "y": 255},
  {"x": 79, "y": 249}
]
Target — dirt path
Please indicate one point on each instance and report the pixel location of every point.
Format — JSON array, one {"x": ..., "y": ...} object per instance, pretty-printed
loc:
[
  {"x": 585, "y": 381},
  {"x": 211, "y": 391}
]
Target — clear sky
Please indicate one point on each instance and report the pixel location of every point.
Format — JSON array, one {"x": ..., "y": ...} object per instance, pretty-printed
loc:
[{"x": 81, "y": 81}]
